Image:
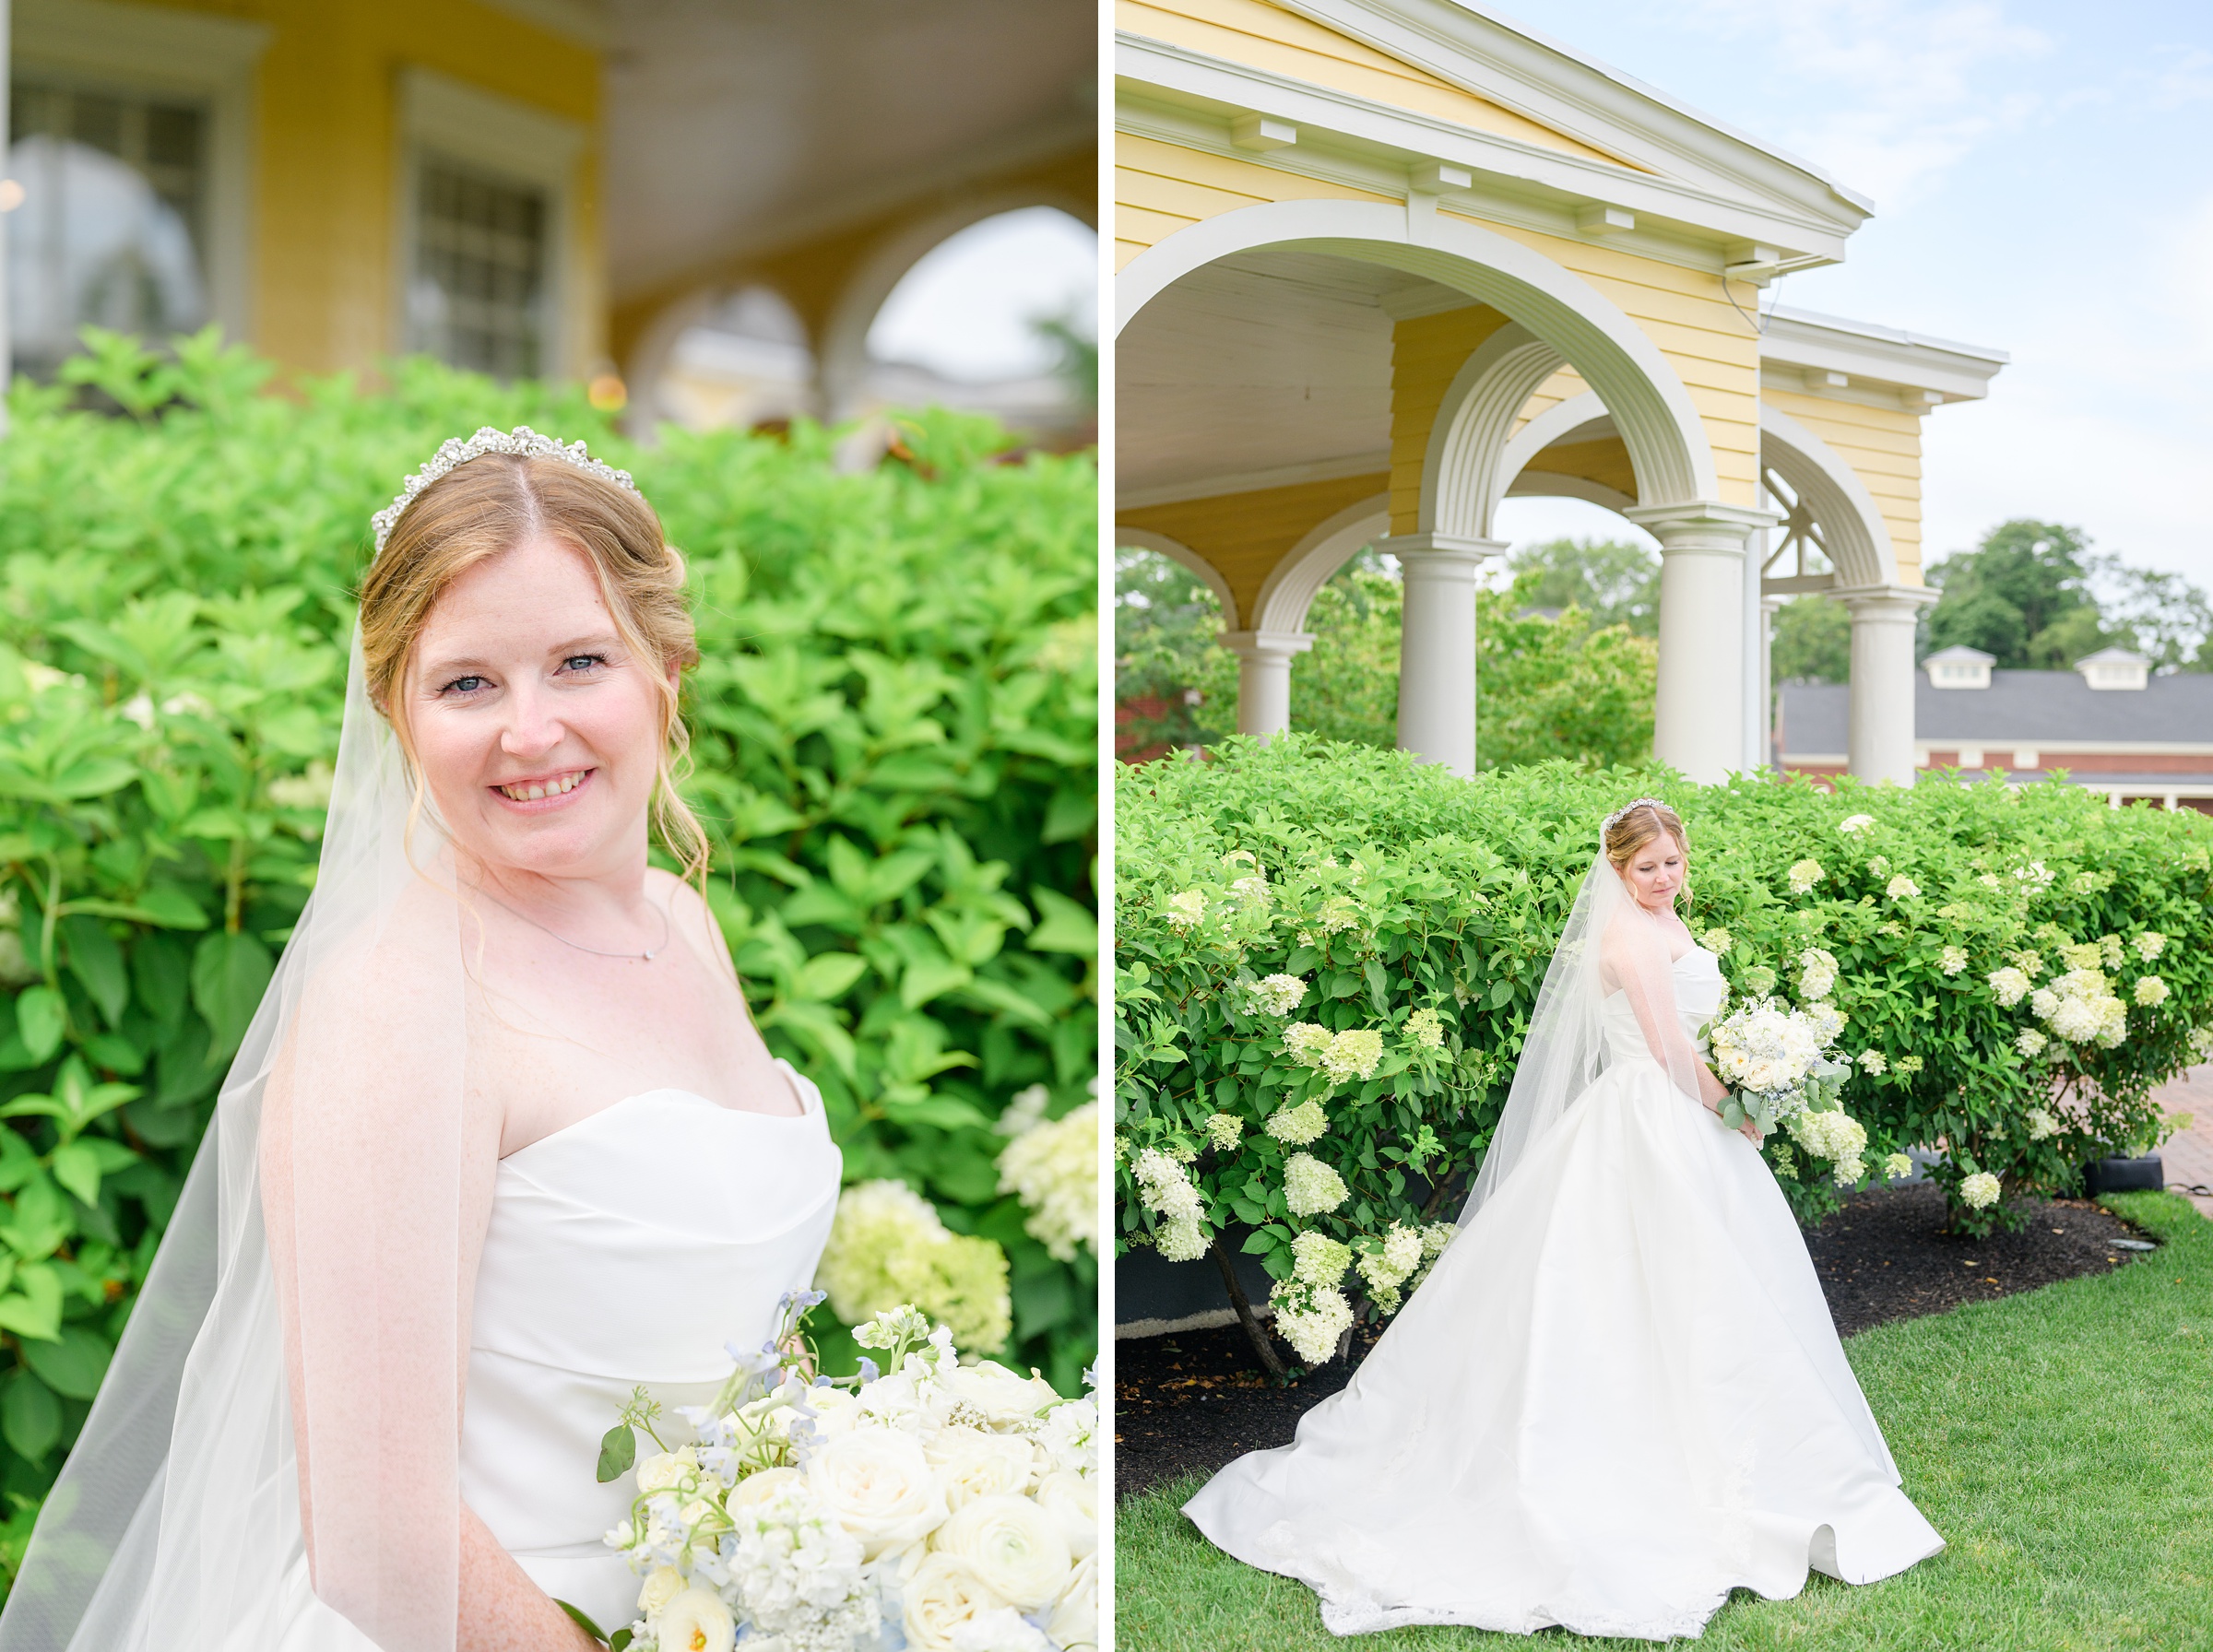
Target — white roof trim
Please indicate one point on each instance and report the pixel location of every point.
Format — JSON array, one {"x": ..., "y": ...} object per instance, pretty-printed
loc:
[{"x": 1870, "y": 355}]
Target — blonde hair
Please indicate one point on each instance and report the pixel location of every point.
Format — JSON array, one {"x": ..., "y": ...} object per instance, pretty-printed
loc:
[
  {"x": 1638, "y": 825},
  {"x": 486, "y": 507}
]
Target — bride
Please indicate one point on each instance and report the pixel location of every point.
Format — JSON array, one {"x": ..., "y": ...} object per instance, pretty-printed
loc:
[
  {"x": 501, "y": 1145},
  {"x": 1620, "y": 1395}
]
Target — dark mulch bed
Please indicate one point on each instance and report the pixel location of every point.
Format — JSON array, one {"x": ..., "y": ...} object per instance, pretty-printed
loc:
[{"x": 1196, "y": 1399}]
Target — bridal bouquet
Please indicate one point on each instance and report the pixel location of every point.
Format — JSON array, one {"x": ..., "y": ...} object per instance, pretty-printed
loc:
[
  {"x": 1776, "y": 1061},
  {"x": 926, "y": 1505}
]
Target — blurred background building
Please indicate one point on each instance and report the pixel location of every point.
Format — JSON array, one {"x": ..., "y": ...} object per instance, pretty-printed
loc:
[{"x": 717, "y": 211}]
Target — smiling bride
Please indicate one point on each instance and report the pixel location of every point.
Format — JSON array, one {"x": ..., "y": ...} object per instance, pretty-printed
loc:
[{"x": 501, "y": 1122}]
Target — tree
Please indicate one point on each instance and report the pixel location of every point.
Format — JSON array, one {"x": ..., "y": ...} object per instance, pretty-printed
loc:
[
  {"x": 2017, "y": 595},
  {"x": 1559, "y": 687},
  {"x": 1165, "y": 620},
  {"x": 1813, "y": 640},
  {"x": 1614, "y": 582},
  {"x": 1347, "y": 687},
  {"x": 2166, "y": 618}
]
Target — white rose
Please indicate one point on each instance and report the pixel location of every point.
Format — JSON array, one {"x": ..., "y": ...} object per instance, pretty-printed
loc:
[
  {"x": 696, "y": 1621},
  {"x": 761, "y": 1487},
  {"x": 1070, "y": 1499},
  {"x": 945, "y": 1593},
  {"x": 665, "y": 1470},
  {"x": 663, "y": 1584},
  {"x": 1015, "y": 1547},
  {"x": 1001, "y": 1394},
  {"x": 976, "y": 1464},
  {"x": 877, "y": 1484},
  {"x": 1074, "y": 1624},
  {"x": 1000, "y": 1629},
  {"x": 836, "y": 1412}
]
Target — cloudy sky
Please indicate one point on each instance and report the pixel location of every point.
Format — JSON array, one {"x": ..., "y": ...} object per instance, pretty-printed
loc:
[
  {"x": 969, "y": 307},
  {"x": 2040, "y": 178}
]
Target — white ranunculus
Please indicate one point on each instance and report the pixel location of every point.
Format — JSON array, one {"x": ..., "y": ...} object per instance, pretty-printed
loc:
[
  {"x": 696, "y": 1621},
  {"x": 662, "y": 1585},
  {"x": 1016, "y": 1547},
  {"x": 877, "y": 1484},
  {"x": 761, "y": 1487},
  {"x": 1074, "y": 1624},
  {"x": 665, "y": 1471},
  {"x": 944, "y": 1593},
  {"x": 1002, "y": 1396},
  {"x": 1000, "y": 1629},
  {"x": 1070, "y": 1499},
  {"x": 974, "y": 1463}
]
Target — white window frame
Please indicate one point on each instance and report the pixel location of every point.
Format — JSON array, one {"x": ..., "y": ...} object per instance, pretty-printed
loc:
[
  {"x": 137, "y": 51},
  {"x": 441, "y": 115}
]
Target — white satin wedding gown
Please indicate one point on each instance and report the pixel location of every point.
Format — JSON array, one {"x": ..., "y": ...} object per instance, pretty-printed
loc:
[
  {"x": 625, "y": 1248},
  {"x": 1617, "y": 1395}
]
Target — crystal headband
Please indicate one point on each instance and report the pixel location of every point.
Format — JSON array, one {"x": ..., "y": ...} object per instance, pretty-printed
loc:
[
  {"x": 1626, "y": 810},
  {"x": 523, "y": 441}
]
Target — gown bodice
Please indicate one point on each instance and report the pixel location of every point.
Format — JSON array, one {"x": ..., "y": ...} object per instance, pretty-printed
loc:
[
  {"x": 1699, "y": 994},
  {"x": 627, "y": 1248}
]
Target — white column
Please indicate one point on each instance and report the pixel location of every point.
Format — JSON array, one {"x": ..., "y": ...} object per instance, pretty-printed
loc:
[
  {"x": 1768, "y": 753},
  {"x": 1755, "y": 653},
  {"x": 1698, "y": 721},
  {"x": 1436, "y": 644},
  {"x": 1880, "y": 743},
  {"x": 1264, "y": 676}
]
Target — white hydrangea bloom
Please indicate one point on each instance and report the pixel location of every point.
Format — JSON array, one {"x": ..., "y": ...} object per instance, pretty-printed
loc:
[
  {"x": 1304, "y": 1041},
  {"x": 799, "y": 1576},
  {"x": 1817, "y": 974},
  {"x": 1901, "y": 887},
  {"x": 1785, "y": 1161},
  {"x": 2041, "y": 1124},
  {"x": 2152, "y": 991},
  {"x": 1054, "y": 1170},
  {"x": 1852, "y": 823},
  {"x": 1276, "y": 994},
  {"x": 1225, "y": 1130},
  {"x": 1952, "y": 959},
  {"x": 1312, "y": 1187},
  {"x": 1898, "y": 1165},
  {"x": 2029, "y": 961},
  {"x": 1978, "y": 1190},
  {"x": 1310, "y": 1320},
  {"x": 1805, "y": 874},
  {"x": 1353, "y": 1053},
  {"x": 1252, "y": 890},
  {"x": 1385, "y": 1271},
  {"x": 1908, "y": 1063},
  {"x": 1872, "y": 1061},
  {"x": 1187, "y": 909},
  {"x": 1833, "y": 1135},
  {"x": 1299, "y": 1124},
  {"x": 2201, "y": 1042},
  {"x": 1717, "y": 941},
  {"x": 2110, "y": 952},
  {"x": 1318, "y": 1259},
  {"x": 1166, "y": 1190},
  {"x": 1424, "y": 1027},
  {"x": 2150, "y": 945},
  {"x": 2080, "y": 1008},
  {"x": 1337, "y": 913},
  {"x": 2031, "y": 1042},
  {"x": 1827, "y": 1021},
  {"x": 1435, "y": 1237},
  {"x": 2010, "y": 985},
  {"x": 1879, "y": 866},
  {"x": 2089, "y": 955},
  {"x": 2035, "y": 876},
  {"x": 1847, "y": 1172}
]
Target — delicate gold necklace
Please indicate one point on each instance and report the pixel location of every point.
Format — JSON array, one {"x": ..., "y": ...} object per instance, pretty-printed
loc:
[{"x": 645, "y": 957}]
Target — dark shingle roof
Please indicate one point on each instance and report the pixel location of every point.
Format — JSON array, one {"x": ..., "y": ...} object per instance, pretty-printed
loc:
[{"x": 2023, "y": 708}]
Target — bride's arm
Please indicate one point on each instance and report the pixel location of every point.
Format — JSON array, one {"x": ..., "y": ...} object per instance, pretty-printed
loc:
[
  {"x": 1638, "y": 963},
  {"x": 501, "y": 1610}
]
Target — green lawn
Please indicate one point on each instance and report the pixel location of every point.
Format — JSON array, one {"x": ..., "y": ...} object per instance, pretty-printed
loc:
[{"x": 2062, "y": 1441}]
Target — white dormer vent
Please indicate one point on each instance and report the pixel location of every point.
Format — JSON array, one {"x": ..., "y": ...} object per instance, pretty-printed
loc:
[
  {"x": 2114, "y": 668},
  {"x": 1959, "y": 668}
]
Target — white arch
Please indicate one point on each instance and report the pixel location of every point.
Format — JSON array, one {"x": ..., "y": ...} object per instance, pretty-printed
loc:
[
  {"x": 649, "y": 359},
  {"x": 1176, "y": 550},
  {"x": 1557, "y": 423},
  {"x": 1651, "y": 408},
  {"x": 1854, "y": 535},
  {"x": 1327, "y": 547},
  {"x": 1460, "y": 477},
  {"x": 843, "y": 354}
]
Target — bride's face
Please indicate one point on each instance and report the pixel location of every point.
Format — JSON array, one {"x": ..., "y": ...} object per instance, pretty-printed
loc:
[
  {"x": 538, "y": 732},
  {"x": 1656, "y": 872}
]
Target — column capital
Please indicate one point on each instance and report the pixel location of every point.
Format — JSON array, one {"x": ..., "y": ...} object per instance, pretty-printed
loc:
[
  {"x": 1701, "y": 527},
  {"x": 1266, "y": 645},
  {"x": 1880, "y": 602},
  {"x": 1440, "y": 552}
]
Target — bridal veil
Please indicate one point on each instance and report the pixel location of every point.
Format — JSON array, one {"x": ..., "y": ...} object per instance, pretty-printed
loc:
[{"x": 328, "y": 1192}]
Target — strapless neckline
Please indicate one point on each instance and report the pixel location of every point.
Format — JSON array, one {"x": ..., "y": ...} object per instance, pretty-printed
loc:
[{"x": 575, "y": 1127}]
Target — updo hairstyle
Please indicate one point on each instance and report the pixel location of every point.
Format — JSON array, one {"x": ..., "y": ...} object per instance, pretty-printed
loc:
[
  {"x": 1639, "y": 825},
  {"x": 489, "y": 506}
]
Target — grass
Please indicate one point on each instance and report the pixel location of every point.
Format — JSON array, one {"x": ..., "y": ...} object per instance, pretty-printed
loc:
[{"x": 2061, "y": 1440}]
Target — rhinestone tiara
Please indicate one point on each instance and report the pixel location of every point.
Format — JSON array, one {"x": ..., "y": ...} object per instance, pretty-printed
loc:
[
  {"x": 1628, "y": 808},
  {"x": 523, "y": 441}
]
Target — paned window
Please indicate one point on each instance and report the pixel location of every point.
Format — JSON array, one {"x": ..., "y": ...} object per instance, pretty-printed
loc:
[
  {"x": 478, "y": 296},
  {"x": 111, "y": 225}
]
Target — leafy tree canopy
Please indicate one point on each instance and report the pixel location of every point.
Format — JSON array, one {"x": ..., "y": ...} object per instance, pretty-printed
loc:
[
  {"x": 2034, "y": 594},
  {"x": 1614, "y": 582}
]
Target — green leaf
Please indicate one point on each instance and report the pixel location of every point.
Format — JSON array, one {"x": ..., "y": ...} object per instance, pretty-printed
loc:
[
  {"x": 31, "y": 1418},
  {"x": 829, "y": 976},
  {"x": 583, "y": 1621},
  {"x": 97, "y": 962},
  {"x": 42, "y": 1018},
  {"x": 73, "y": 1364},
  {"x": 228, "y": 974},
  {"x": 939, "y": 1111},
  {"x": 926, "y": 978},
  {"x": 76, "y": 1167},
  {"x": 1063, "y": 926},
  {"x": 618, "y": 1452},
  {"x": 171, "y": 908},
  {"x": 33, "y": 1309}
]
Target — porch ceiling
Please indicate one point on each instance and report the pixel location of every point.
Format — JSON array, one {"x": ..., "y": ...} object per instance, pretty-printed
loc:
[
  {"x": 1257, "y": 363},
  {"x": 732, "y": 127}
]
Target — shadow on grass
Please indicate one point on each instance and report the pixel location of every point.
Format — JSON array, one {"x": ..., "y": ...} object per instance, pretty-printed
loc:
[{"x": 2060, "y": 1440}]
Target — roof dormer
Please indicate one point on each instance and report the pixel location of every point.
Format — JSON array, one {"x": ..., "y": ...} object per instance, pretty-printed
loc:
[
  {"x": 2114, "y": 668},
  {"x": 1959, "y": 668}
]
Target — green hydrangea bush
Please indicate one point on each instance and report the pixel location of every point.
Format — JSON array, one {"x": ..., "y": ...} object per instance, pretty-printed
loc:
[
  {"x": 1327, "y": 957},
  {"x": 894, "y": 753}
]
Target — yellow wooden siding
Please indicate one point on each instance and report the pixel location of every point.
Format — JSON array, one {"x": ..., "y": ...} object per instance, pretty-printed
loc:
[
  {"x": 1244, "y": 536},
  {"x": 1426, "y": 352},
  {"x": 1267, "y": 37},
  {"x": 1605, "y": 462},
  {"x": 1161, "y": 188},
  {"x": 324, "y": 154},
  {"x": 1882, "y": 447},
  {"x": 1563, "y": 387}
]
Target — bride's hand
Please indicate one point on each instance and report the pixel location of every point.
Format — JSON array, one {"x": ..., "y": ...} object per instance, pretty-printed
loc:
[{"x": 1750, "y": 1132}]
